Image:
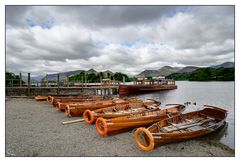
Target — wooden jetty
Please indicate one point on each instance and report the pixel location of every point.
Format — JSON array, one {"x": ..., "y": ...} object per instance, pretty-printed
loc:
[{"x": 105, "y": 87}]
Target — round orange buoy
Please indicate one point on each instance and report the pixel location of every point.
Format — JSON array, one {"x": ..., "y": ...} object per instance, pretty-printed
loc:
[
  {"x": 67, "y": 111},
  {"x": 88, "y": 117},
  {"x": 148, "y": 143},
  {"x": 48, "y": 99},
  {"x": 101, "y": 126}
]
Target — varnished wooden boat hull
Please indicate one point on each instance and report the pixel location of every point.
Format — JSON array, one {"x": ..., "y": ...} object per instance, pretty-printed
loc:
[
  {"x": 76, "y": 112},
  {"x": 55, "y": 99},
  {"x": 61, "y": 106},
  {"x": 181, "y": 127},
  {"x": 120, "y": 110},
  {"x": 122, "y": 124},
  {"x": 78, "y": 109}
]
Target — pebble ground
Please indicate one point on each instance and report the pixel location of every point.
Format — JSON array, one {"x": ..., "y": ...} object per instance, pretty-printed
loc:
[{"x": 35, "y": 129}]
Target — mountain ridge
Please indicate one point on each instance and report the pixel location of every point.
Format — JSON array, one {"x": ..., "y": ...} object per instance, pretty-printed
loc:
[
  {"x": 168, "y": 70},
  {"x": 163, "y": 71}
]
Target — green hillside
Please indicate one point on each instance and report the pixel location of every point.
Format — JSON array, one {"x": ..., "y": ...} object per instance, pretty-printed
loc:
[{"x": 206, "y": 74}]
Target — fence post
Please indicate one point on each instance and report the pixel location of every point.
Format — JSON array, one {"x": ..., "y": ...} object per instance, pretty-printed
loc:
[
  {"x": 82, "y": 82},
  {"x": 47, "y": 80},
  {"x": 20, "y": 81},
  {"x": 123, "y": 80},
  {"x": 101, "y": 84},
  {"x": 29, "y": 84},
  {"x": 67, "y": 81},
  {"x": 85, "y": 79},
  {"x": 58, "y": 84}
]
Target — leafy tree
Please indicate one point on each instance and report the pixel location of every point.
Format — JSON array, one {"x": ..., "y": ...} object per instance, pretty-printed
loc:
[
  {"x": 178, "y": 76},
  {"x": 119, "y": 77},
  {"x": 201, "y": 74},
  {"x": 11, "y": 78}
]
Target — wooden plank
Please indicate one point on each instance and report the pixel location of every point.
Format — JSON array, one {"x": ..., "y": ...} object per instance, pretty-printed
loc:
[
  {"x": 58, "y": 84},
  {"x": 20, "y": 79},
  {"x": 29, "y": 84},
  {"x": 188, "y": 125}
]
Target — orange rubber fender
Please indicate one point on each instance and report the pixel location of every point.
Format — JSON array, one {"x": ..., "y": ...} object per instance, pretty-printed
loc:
[
  {"x": 101, "y": 126},
  {"x": 67, "y": 111},
  {"x": 147, "y": 145},
  {"x": 49, "y": 98},
  {"x": 88, "y": 116}
]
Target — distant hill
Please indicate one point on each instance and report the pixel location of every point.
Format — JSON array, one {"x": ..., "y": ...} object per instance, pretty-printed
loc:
[
  {"x": 33, "y": 79},
  {"x": 62, "y": 75},
  {"x": 149, "y": 73},
  {"x": 91, "y": 71},
  {"x": 206, "y": 74},
  {"x": 167, "y": 70},
  {"x": 188, "y": 69},
  {"x": 224, "y": 65},
  {"x": 164, "y": 71}
]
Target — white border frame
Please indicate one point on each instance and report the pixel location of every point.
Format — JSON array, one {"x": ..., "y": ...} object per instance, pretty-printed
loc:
[{"x": 115, "y": 2}]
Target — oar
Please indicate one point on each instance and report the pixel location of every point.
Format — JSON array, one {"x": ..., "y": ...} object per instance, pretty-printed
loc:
[
  {"x": 72, "y": 121},
  {"x": 172, "y": 104}
]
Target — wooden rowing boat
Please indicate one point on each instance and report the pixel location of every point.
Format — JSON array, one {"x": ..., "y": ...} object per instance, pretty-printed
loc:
[
  {"x": 79, "y": 108},
  {"x": 41, "y": 98},
  {"x": 180, "y": 127},
  {"x": 51, "y": 97},
  {"x": 61, "y": 105},
  {"x": 121, "y": 110},
  {"x": 55, "y": 99},
  {"x": 122, "y": 124}
]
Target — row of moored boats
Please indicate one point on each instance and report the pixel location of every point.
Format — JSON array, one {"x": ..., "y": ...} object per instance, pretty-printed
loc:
[{"x": 152, "y": 126}]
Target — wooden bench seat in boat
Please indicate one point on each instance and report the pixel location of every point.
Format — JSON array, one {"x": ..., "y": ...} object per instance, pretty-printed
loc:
[{"x": 184, "y": 125}]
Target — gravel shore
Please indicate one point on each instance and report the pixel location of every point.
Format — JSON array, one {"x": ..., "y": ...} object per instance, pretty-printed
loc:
[{"x": 35, "y": 129}]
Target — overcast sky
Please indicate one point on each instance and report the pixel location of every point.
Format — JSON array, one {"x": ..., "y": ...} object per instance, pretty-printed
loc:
[{"x": 128, "y": 39}]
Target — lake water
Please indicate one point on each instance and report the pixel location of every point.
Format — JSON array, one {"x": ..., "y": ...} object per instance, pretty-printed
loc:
[{"x": 219, "y": 94}]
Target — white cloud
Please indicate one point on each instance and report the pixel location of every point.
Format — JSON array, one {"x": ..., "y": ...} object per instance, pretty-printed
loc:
[{"x": 128, "y": 39}]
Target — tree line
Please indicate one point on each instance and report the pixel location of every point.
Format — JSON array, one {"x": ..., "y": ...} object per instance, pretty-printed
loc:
[
  {"x": 206, "y": 74},
  {"x": 12, "y": 79},
  {"x": 96, "y": 77}
]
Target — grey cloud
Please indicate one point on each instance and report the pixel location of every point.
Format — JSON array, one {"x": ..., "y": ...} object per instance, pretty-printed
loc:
[
  {"x": 115, "y": 16},
  {"x": 15, "y": 15},
  {"x": 92, "y": 16},
  {"x": 154, "y": 36},
  {"x": 27, "y": 45},
  {"x": 200, "y": 26}
]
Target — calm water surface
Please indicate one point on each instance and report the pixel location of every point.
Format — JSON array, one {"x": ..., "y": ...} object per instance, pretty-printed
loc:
[{"x": 219, "y": 94}]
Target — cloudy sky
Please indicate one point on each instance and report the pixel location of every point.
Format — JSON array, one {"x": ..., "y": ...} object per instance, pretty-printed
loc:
[{"x": 129, "y": 39}]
